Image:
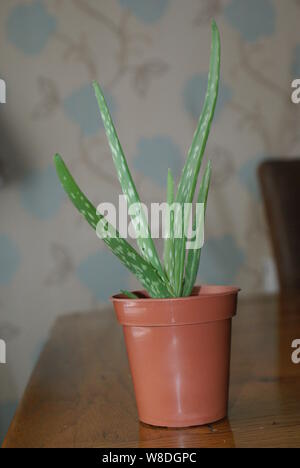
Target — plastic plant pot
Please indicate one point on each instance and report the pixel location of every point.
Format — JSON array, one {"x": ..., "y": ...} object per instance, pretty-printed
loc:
[{"x": 179, "y": 354}]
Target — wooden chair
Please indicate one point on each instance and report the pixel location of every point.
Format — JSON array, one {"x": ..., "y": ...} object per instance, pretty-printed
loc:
[{"x": 280, "y": 185}]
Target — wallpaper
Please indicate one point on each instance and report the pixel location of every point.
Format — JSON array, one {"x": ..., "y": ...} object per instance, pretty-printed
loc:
[{"x": 151, "y": 58}]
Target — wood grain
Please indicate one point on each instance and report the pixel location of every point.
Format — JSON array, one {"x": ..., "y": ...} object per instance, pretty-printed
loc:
[{"x": 81, "y": 395}]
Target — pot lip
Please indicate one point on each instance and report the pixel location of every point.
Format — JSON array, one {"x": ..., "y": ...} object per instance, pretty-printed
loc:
[{"x": 210, "y": 290}]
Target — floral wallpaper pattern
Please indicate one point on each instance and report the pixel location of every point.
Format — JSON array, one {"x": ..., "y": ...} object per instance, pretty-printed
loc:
[
  {"x": 158, "y": 151},
  {"x": 254, "y": 20},
  {"x": 40, "y": 192},
  {"x": 30, "y": 26},
  {"x": 151, "y": 57},
  {"x": 194, "y": 94}
]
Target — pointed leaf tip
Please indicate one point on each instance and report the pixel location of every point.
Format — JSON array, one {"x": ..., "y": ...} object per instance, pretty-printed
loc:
[
  {"x": 57, "y": 158},
  {"x": 214, "y": 24}
]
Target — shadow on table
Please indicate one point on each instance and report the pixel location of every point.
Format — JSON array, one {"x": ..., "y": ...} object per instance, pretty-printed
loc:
[{"x": 213, "y": 435}]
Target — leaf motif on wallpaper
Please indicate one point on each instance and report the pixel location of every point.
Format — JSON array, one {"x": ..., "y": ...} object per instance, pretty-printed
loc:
[
  {"x": 146, "y": 72},
  {"x": 63, "y": 264},
  {"x": 49, "y": 98},
  {"x": 89, "y": 151},
  {"x": 79, "y": 51}
]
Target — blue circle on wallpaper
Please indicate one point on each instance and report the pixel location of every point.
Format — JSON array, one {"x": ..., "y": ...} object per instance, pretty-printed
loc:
[
  {"x": 155, "y": 156},
  {"x": 148, "y": 11},
  {"x": 41, "y": 193},
  {"x": 81, "y": 107},
  {"x": 30, "y": 26},
  {"x": 296, "y": 62},
  {"x": 194, "y": 94},
  {"x": 252, "y": 18},
  {"x": 9, "y": 259},
  {"x": 221, "y": 260},
  {"x": 103, "y": 274}
]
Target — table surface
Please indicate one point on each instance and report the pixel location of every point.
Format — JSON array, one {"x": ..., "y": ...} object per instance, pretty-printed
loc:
[{"x": 81, "y": 394}]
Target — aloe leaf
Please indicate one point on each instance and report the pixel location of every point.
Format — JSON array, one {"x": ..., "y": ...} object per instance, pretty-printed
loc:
[
  {"x": 189, "y": 177},
  {"x": 169, "y": 240},
  {"x": 129, "y": 294},
  {"x": 144, "y": 240},
  {"x": 194, "y": 255},
  {"x": 142, "y": 269}
]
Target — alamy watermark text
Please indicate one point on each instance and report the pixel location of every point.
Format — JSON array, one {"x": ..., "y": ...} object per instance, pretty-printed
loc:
[
  {"x": 296, "y": 353},
  {"x": 188, "y": 221},
  {"x": 2, "y": 92},
  {"x": 2, "y": 352},
  {"x": 296, "y": 93}
]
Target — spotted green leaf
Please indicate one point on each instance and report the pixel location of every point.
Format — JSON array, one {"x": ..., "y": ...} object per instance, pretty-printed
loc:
[
  {"x": 193, "y": 259},
  {"x": 168, "y": 281},
  {"x": 169, "y": 240},
  {"x": 144, "y": 240},
  {"x": 189, "y": 177},
  {"x": 142, "y": 269}
]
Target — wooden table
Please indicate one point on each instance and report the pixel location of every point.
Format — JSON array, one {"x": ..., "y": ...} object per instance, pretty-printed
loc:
[{"x": 81, "y": 395}]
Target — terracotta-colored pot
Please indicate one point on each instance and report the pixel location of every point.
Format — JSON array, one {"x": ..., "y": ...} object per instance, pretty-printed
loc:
[{"x": 179, "y": 354}]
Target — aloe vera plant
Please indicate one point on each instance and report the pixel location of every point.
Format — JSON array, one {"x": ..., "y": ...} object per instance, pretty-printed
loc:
[{"x": 177, "y": 275}]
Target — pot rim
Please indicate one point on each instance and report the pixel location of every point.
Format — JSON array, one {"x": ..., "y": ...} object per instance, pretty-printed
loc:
[
  {"x": 211, "y": 290},
  {"x": 208, "y": 304}
]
